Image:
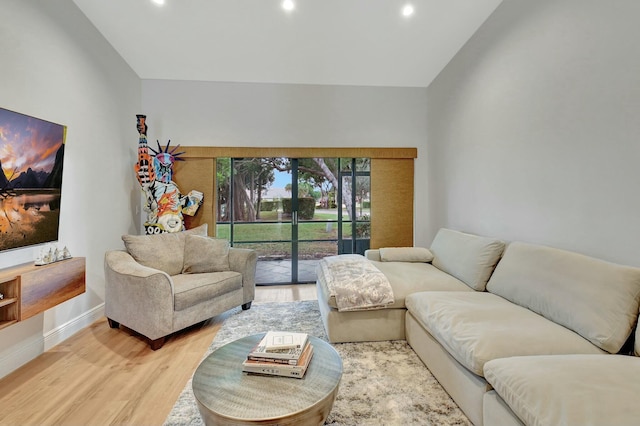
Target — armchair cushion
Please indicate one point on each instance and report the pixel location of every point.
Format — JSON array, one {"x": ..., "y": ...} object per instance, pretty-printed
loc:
[
  {"x": 205, "y": 254},
  {"x": 161, "y": 251},
  {"x": 191, "y": 289}
]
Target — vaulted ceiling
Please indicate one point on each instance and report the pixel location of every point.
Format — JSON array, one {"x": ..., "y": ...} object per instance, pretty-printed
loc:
[{"x": 337, "y": 42}]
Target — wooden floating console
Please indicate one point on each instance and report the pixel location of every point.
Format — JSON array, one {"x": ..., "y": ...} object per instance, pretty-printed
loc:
[{"x": 29, "y": 289}]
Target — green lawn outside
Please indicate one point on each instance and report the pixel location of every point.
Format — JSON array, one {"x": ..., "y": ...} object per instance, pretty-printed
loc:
[
  {"x": 265, "y": 233},
  {"x": 280, "y": 231},
  {"x": 318, "y": 215}
]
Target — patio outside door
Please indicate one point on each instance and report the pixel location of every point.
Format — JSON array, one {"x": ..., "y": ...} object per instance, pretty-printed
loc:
[{"x": 291, "y": 212}]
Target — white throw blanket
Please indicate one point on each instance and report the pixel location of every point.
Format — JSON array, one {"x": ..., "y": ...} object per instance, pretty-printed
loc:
[{"x": 356, "y": 283}]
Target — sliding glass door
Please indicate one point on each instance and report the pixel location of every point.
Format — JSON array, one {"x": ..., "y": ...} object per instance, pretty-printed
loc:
[{"x": 293, "y": 212}]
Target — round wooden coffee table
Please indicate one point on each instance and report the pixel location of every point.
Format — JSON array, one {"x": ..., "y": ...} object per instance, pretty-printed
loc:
[{"x": 228, "y": 396}]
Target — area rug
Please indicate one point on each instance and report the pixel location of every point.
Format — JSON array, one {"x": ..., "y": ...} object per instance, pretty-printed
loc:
[{"x": 383, "y": 383}]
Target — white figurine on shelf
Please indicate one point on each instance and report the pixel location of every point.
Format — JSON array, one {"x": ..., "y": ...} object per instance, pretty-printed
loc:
[{"x": 51, "y": 253}]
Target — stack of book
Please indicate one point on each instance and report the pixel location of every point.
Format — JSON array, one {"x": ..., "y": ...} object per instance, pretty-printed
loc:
[{"x": 280, "y": 353}]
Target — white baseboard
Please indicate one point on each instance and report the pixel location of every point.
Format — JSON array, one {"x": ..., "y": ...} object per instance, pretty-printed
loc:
[
  {"x": 22, "y": 354},
  {"x": 68, "y": 329},
  {"x": 35, "y": 346}
]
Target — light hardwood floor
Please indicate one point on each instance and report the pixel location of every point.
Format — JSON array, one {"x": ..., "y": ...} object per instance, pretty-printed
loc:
[{"x": 104, "y": 376}]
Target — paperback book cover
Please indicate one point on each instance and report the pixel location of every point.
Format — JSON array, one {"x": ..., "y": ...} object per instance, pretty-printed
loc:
[
  {"x": 289, "y": 354},
  {"x": 281, "y": 340}
]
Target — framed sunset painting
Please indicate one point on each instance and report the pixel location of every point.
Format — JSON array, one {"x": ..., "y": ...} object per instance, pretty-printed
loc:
[{"x": 31, "y": 160}]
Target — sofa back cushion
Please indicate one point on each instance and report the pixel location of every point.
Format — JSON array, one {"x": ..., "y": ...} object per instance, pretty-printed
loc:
[
  {"x": 596, "y": 299},
  {"x": 164, "y": 252},
  {"x": 469, "y": 258}
]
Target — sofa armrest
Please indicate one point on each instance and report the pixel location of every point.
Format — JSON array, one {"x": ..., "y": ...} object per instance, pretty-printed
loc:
[
  {"x": 372, "y": 254},
  {"x": 245, "y": 261},
  {"x": 137, "y": 296}
]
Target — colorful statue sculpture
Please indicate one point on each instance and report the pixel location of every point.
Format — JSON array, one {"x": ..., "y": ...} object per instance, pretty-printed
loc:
[
  {"x": 144, "y": 166},
  {"x": 165, "y": 205}
]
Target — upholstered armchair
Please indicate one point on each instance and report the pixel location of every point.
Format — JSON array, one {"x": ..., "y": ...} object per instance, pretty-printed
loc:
[{"x": 163, "y": 283}]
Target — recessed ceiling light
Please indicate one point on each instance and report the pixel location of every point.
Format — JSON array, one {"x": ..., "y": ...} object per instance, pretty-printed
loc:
[
  {"x": 158, "y": 2},
  {"x": 288, "y": 5},
  {"x": 407, "y": 10}
]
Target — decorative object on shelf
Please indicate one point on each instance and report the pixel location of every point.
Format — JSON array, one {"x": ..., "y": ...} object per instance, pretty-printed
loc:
[
  {"x": 165, "y": 204},
  {"x": 50, "y": 254},
  {"x": 1, "y": 296}
]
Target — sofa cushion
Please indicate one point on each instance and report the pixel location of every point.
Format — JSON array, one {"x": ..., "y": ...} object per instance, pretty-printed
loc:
[
  {"x": 470, "y": 258},
  {"x": 596, "y": 299},
  {"x": 191, "y": 289},
  {"x": 164, "y": 252},
  {"x": 405, "y": 254},
  {"x": 569, "y": 389},
  {"x": 408, "y": 278},
  {"x": 205, "y": 254},
  {"x": 476, "y": 327}
]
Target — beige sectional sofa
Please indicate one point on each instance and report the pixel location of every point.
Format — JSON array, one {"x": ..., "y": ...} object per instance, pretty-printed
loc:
[
  {"x": 441, "y": 274},
  {"x": 531, "y": 336}
]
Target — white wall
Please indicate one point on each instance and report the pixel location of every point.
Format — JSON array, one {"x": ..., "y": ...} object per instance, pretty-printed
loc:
[
  {"x": 56, "y": 66},
  {"x": 283, "y": 115},
  {"x": 278, "y": 115},
  {"x": 533, "y": 129}
]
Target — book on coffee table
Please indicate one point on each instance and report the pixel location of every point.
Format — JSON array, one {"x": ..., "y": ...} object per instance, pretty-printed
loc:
[
  {"x": 278, "y": 369},
  {"x": 284, "y": 346},
  {"x": 275, "y": 341}
]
